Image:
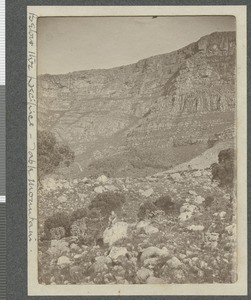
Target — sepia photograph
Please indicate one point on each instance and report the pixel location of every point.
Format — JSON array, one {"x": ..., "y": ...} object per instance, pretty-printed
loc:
[{"x": 136, "y": 150}]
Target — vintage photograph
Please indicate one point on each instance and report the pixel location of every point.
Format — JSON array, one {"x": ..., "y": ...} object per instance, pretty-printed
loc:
[{"x": 136, "y": 150}]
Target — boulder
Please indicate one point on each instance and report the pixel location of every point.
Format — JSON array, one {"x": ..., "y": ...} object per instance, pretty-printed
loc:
[
  {"x": 151, "y": 261},
  {"x": 199, "y": 200},
  {"x": 111, "y": 188},
  {"x": 176, "y": 177},
  {"x": 146, "y": 193},
  {"x": 102, "y": 179},
  {"x": 63, "y": 261},
  {"x": 99, "y": 189},
  {"x": 196, "y": 227},
  {"x": 154, "y": 280},
  {"x": 116, "y": 232},
  {"x": 149, "y": 229},
  {"x": 116, "y": 252},
  {"x": 174, "y": 263},
  {"x": 143, "y": 274},
  {"x": 62, "y": 199},
  {"x": 104, "y": 259},
  {"x": 153, "y": 251}
]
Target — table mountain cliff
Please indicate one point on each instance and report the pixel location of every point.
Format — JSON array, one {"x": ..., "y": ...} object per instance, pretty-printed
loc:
[{"x": 147, "y": 116}]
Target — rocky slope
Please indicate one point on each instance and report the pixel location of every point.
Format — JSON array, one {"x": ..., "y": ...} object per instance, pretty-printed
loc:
[
  {"x": 150, "y": 115},
  {"x": 193, "y": 242}
]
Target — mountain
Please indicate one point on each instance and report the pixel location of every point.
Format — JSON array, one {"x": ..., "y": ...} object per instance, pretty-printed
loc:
[{"x": 145, "y": 117}]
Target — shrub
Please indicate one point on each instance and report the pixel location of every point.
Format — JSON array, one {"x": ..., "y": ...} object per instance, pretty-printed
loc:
[
  {"x": 79, "y": 214},
  {"x": 208, "y": 200},
  {"x": 223, "y": 171},
  {"x": 146, "y": 209},
  {"x": 107, "y": 202},
  {"x": 51, "y": 153},
  {"x": 164, "y": 203},
  {"x": 55, "y": 221}
]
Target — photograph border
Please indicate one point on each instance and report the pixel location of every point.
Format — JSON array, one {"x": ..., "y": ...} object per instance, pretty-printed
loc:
[{"x": 238, "y": 288}]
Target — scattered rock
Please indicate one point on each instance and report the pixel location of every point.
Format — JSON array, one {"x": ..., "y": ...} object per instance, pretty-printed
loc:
[
  {"x": 143, "y": 274},
  {"x": 154, "y": 252},
  {"x": 174, "y": 263},
  {"x": 231, "y": 229},
  {"x": 110, "y": 188},
  {"x": 193, "y": 193},
  {"x": 77, "y": 256},
  {"x": 179, "y": 276},
  {"x": 176, "y": 177},
  {"x": 222, "y": 214},
  {"x": 150, "y": 229},
  {"x": 85, "y": 180},
  {"x": 199, "y": 200},
  {"x": 117, "y": 251},
  {"x": 63, "y": 261},
  {"x": 154, "y": 280},
  {"x": 146, "y": 193},
  {"x": 62, "y": 199},
  {"x": 197, "y": 174},
  {"x": 74, "y": 247},
  {"x": 99, "y": 267},
  {"x": 185, "y": 216},
  {"x": 58, "y": 247},
  {"x": 104, "y": 259},
  {"x": 143, "y": 224},
  {"x": 99, "y": 189},
  {"x": 115, "y": 233},
  {"x": 196, "y": 227},
  {"x": 151, "y": 261},
  {"x": 102, "y": 179},
  {"x": 186, "y": 207}
]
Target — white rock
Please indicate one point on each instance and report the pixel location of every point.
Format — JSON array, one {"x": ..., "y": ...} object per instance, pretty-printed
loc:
[
  {"x": 154, "y": 252},
  {"x": 74, "y": 246},
  {"x": 104, "y": 259},
  {"x": 192, "y": 193},
  {"x": 60, "y": 245},
  {"x": 222, "y": 214},
  {"x": 231, "y": 229},
  {"x": 146, "y": 193},
  {"x": 196, "y": 227},
  {"x": 197, "y": 174},
  {"x": 199, "y": 200},
  {"x": 150, "y": 229},
  {"x": 154, "y": 280},
  {"x": 143, "y": 274},
  {"x": 186, "y": 207},
  {"x": 62, "y": 199},
  {"x": 117, "y": 251},
  {"x": 176, "y": 177},
  {"x": 174, "y": 263},
  {"x": 143, "y": 224},
  {"x": 102, "y": 179},
  {"x": 85, "y": 180},
  {"x": 151, "y": 261},
  {"x": 185, "y": 216},
  {"x": 212, "y": 236},
  {"x": 115, "y": 233},
  {"x": 99, "y": 189},
  {"x": 78, "y": 256},
  {"x": 110, "y": 188},
  {"x": 63, "y": 261},
  {"x": 49, "y": 184}
]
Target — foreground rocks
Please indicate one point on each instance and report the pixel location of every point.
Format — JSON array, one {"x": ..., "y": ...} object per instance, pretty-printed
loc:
[{"x": 194, "y": 242}]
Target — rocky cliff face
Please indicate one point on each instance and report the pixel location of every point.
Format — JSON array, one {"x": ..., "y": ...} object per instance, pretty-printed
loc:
[{"x": 155, "y": 113}]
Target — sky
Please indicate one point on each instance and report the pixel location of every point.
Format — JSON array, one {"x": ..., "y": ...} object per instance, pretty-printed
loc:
[{"x": 67, "y": 44}]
